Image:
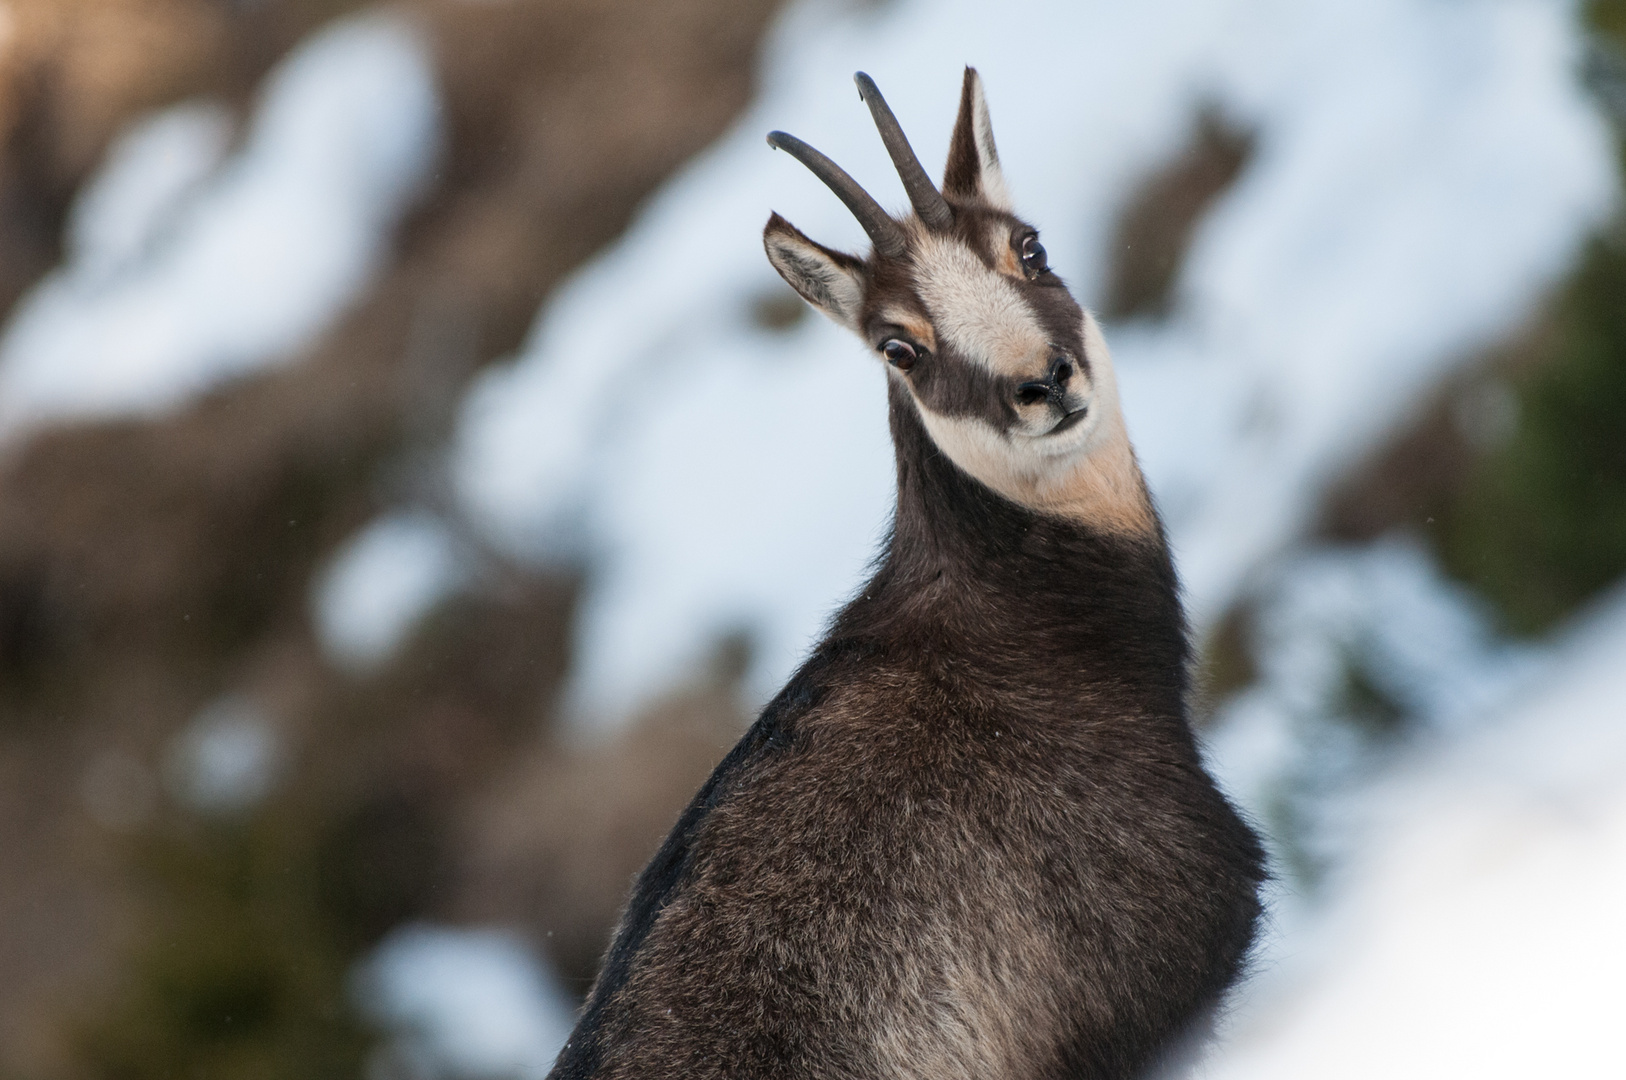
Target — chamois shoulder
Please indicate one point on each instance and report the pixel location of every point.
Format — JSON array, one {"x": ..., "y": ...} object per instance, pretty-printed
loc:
[{"x": 673, "y": 862}]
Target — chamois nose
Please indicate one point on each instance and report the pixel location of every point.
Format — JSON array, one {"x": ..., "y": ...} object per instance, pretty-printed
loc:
[{"x": 1050, "y": 389}]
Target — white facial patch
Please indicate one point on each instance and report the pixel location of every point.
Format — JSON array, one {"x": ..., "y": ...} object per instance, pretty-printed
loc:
[
  {"x": 1087, "y": 473},
  {"x": 977, "y": 311}
]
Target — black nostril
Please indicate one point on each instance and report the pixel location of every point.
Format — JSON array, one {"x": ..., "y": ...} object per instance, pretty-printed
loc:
[
  {"x": 1031, "y": 393},
  {"x": 1061, "y": 371}
]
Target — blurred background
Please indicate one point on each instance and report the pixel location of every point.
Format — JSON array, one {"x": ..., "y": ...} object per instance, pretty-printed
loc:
[{"x": 413, "y": 477}]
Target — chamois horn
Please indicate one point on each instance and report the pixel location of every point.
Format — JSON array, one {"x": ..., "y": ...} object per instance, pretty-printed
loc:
[
  {"x": 923, "y": 194},
  {"x": 883, "y": 232}
]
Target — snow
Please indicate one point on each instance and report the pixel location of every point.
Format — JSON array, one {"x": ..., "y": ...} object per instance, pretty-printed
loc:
[
  {"x": 186, "y": 268},
  {"x": 1294, "y": 744},
  {"x": 381, "y": 582},
  {"x": 227, "y": 759},
  {"x": 1423, "y": 169},
  {"x": 150, "y": 172},
  {"x": 1478, "y": 932},
  {"x": 468, "y": 1003}
]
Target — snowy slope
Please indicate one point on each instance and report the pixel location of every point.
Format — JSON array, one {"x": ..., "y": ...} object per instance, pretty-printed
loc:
[
  {"x": 1479, "y": 932},
  {"x": 1423, "y": 169},
  {"x": 1358, "y": 648}
]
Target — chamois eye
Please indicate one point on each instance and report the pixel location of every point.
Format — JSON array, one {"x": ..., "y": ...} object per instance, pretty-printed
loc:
[
  {"x": 1033, "y": 256},
  {"x": 900, "y": 354}
]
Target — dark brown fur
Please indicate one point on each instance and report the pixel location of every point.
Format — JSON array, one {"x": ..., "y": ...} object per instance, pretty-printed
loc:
[{"x": 972, "y": 837}]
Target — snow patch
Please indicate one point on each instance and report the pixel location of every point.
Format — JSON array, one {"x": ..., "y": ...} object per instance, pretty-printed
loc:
[
  {"x": 472, "y": 1003},
  {"x": 227, "y": 758},
  {"x": 381, "y": 582},
  {"x": 151, "y": 171},
  {"x": 184, "y": 271}
]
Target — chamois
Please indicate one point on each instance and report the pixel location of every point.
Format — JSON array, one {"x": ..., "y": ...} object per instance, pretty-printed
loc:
[{"x": 972, "y": 837}]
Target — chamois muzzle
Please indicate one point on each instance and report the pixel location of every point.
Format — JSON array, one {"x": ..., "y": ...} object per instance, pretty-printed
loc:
[{"x": 1053, "y": 388}]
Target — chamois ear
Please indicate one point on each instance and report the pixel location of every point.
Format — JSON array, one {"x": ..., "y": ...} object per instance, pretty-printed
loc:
[
  {"x": 831, "y": 281},
  {"x": 973, "y": 171}
]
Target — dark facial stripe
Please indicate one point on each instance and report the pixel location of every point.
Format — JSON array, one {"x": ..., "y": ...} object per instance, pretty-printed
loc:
[
  {"x": 952, "y": 386},
  {"x": 1060, "y": 315}
]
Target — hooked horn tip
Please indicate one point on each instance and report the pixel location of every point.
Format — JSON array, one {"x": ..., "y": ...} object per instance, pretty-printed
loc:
[{"x": 866, "y": 85}]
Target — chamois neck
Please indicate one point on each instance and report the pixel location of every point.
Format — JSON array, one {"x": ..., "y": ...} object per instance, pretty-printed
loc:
[{"x": 968, "y": 571}]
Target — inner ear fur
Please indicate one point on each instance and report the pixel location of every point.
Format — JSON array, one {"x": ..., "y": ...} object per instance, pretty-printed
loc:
[
  {"x": 973, "y": 173},
  {"x": 831, "y": 281}
]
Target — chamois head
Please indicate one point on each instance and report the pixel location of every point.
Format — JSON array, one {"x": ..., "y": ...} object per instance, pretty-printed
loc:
[{"x": 1010, "y": 376}]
